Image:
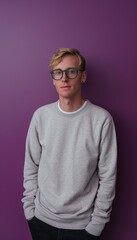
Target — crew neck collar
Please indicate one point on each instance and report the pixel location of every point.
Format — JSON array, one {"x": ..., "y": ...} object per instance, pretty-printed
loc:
[{"x": 70, "y": 113}]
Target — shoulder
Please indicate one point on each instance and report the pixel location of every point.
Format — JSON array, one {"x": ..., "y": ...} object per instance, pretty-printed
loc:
[
  {"x": 99, "y": 113},
  {"x": 45, "y": 110}
]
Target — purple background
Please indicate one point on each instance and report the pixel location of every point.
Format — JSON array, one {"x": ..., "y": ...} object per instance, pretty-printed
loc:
[{"x": 106, "y": 34}]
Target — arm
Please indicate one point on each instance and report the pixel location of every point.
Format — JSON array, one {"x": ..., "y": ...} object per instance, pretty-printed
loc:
[
  {"x": 32, "y": 158},
  {"x": 107, "y": 180}
]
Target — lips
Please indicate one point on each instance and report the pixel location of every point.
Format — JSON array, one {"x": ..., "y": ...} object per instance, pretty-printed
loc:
[{"x": 65, "y": 87}]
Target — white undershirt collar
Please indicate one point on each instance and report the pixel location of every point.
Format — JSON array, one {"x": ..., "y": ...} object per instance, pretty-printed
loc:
[{"x": 73, "y": 111}]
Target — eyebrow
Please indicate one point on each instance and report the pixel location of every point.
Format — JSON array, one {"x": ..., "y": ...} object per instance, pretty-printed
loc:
[{"x": 65, "y": 69}]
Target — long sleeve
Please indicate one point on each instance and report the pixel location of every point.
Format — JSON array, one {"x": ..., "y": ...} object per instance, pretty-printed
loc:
[
  {"x": 107, "y": 179},
  {"x": 32, "y": 158}
]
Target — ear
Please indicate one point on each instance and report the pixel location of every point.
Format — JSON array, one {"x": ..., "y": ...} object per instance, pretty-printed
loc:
[{"x": 84, "y": 76}]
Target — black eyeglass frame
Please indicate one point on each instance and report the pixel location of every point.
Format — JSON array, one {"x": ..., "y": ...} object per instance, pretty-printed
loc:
[{"x": 66, "y": 73}]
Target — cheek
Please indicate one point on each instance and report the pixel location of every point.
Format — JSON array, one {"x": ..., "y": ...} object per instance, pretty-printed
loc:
[
  {"x": 56, "y": 87},
  {"x": 54, "y": 83},
  {"x": 77, "y": 84}
]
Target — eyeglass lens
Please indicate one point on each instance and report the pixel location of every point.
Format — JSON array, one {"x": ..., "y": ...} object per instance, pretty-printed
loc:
[{"x": 71, "y": 73}]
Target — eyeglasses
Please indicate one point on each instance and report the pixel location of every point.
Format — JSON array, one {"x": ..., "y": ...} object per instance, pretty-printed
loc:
[{"x": 71, "y": 73}]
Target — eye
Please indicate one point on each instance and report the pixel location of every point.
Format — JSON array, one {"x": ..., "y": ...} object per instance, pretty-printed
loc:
[
  {"x": 72, "y": 71},
  {"x": 57, "y": 72}
]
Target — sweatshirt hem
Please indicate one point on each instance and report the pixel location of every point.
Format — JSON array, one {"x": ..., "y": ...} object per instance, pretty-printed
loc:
[{"x": 64, "y": 224}]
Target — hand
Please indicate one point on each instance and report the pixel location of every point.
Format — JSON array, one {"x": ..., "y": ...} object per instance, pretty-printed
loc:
[{"x": 29, "y": 219}]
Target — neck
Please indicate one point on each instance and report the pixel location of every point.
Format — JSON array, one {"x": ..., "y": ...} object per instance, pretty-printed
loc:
[{"x": 68, "y": 105}]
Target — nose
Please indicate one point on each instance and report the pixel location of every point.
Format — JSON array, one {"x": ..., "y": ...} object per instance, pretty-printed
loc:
[{"x": 64, "y": 77}]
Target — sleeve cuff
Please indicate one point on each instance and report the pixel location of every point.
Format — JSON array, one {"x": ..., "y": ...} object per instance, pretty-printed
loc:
[
  {"x": 29, "y": 213},
  {"x": 95, "y": 229}
]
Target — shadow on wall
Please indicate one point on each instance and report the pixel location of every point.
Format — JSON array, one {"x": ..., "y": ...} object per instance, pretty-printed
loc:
[
  {"x": 100, "y": 86},
  {"x": 123, "y": 215},
  {"x": 106, "y": 88}
]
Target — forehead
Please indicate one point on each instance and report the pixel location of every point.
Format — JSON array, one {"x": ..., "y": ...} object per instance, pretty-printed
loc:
[{"x": 68, "y": 62}]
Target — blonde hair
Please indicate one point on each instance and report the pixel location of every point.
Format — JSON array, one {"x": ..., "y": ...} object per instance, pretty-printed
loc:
[{"x": 62, "y": 52}]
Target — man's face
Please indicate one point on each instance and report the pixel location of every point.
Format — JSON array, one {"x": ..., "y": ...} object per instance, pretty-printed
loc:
[{"x": 69, "y": 88}]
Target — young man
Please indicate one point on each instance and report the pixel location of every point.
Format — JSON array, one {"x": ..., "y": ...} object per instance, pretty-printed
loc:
[{"x": 70, "y": 160}]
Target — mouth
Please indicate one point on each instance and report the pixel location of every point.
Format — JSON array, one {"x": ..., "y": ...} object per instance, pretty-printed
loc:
[{"x": 65, "y": 87}]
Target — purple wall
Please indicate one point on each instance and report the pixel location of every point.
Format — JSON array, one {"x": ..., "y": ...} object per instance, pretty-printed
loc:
[{"x": 105, "y": 32}]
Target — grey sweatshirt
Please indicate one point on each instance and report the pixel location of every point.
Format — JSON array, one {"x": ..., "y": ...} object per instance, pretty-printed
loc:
[{"x": 70, "y": 167}]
